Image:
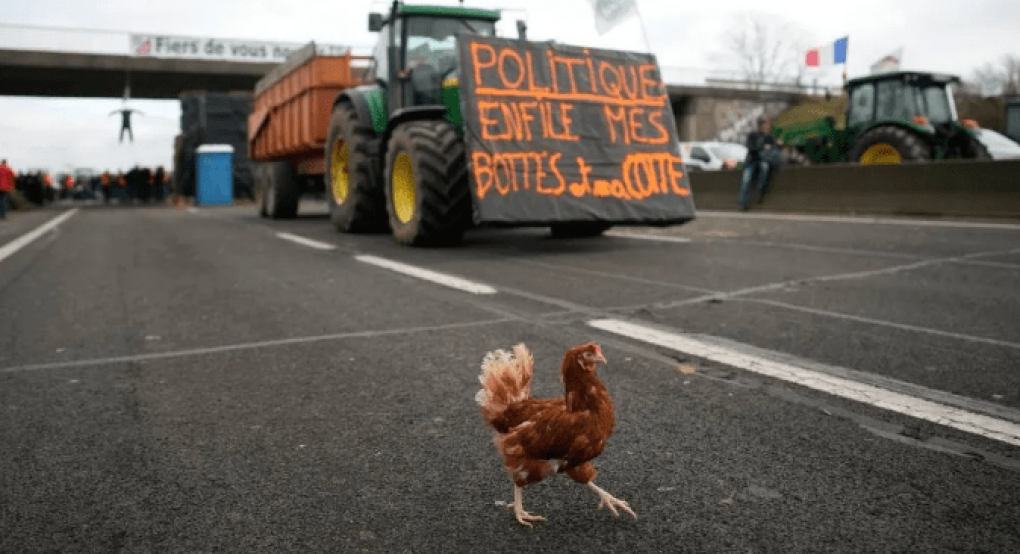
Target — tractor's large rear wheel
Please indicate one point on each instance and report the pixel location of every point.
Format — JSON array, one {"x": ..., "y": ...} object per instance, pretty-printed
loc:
[
  {"x": 889, "y": 145},
  {"x": 352, "y": 184},
  {"x": 427, "y": 193}
]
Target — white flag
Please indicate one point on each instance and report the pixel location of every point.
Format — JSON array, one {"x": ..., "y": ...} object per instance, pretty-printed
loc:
[
  {"x": 610, "y": 13},
  {"x": 889, "y": 62}
]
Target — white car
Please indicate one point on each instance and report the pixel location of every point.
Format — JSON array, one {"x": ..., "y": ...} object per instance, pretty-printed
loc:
[
  {"x": 1000, "y": 147},
  {"x": 712, "y": 155}
]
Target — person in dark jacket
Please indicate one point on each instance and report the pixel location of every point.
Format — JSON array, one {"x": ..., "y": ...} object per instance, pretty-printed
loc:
[
  {"x": 763, "y": 157},
  {"x": 125, "y": 122}
]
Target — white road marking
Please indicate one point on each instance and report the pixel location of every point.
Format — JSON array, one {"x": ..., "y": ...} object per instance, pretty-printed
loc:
[
  {"x": 659, "y": 238},
  {"x": 10, "y": 248},
  {"x": 949, "y": 416},
  {"x": 1006, "y": 226},
  {"x": 883, "y": 323},
  {"x": 837, "y": 277},
  {"x": 428, "y": 275},
  {"x": 306, "y": 242},
  {"x": 249, "y": 346}
]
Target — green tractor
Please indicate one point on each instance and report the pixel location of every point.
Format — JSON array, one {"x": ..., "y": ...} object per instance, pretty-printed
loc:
[
  {"x": 394, "y": 149},
  {"x": 890, "y": 118}
]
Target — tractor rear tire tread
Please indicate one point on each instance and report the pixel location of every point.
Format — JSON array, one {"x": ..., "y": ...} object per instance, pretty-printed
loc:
[
  {"x": 911, "y": 147},
  {"x": 363, "y": 210}
]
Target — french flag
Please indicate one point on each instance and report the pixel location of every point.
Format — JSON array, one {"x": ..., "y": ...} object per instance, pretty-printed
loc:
[{"x": 830, "y": 54}]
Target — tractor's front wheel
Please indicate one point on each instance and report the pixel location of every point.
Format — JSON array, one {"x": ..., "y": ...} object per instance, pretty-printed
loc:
[
  {"x": 889, "y": 145},
  {"x": 427, "y": 195},
  {"x": 355, "y": 201}
]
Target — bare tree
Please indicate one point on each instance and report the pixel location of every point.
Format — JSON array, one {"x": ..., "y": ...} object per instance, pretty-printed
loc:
[
  {"x": 767, "y": 49},
  {"x": 999, "y": 79}
]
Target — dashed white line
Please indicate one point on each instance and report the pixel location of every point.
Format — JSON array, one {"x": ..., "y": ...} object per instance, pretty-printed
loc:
[
  {"x": 10, "y": 248},
  {"x": 949, "y": 416},
  {"x": 428, "y": 275},
  {"x": 251, "y": 346},
  {"x": 306, "y": 242}
]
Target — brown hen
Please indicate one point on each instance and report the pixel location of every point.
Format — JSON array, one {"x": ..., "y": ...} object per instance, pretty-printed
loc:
[{"x": 541, "y": 437}]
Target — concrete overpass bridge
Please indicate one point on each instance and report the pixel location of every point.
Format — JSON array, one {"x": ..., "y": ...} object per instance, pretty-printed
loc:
[
  {"x": 61, "y": 74},
  {"x": 707, "y": 105}
]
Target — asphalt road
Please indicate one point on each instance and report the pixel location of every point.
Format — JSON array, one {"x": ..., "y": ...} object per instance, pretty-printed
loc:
[{"x": 191, "y": 381}]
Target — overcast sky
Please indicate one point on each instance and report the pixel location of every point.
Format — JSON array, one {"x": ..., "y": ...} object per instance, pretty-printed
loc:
[{"x": 58, "y": 134}]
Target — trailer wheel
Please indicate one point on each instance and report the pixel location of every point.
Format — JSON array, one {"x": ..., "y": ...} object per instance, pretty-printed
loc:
[
  {"x": 355, "y": 200},
  {"x": 889, "y": 145},
  {"x": 260, "y": 173},
  {"x": 427, "y": 195},
  {"x": 282, "y": 191},
  {"x": 579, "y": 229}
]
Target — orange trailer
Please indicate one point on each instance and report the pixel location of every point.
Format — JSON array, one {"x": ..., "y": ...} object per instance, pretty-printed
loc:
[{"x": 288, "y": 124}]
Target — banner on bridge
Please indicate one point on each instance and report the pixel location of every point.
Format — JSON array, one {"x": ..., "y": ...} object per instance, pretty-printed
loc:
[
  {"x": 558, "y": 133},
  {"x": 205, "y": 48}
]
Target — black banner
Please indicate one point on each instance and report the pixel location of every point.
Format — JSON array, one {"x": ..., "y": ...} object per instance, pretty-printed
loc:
[{"x": 559, "y": 133}]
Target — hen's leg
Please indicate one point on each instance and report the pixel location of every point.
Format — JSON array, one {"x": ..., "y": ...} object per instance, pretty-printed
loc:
[
  {"x": 609, "y": 501},
  {"x": 585, "y": 474},
  {"x": 523, "y": 517}
]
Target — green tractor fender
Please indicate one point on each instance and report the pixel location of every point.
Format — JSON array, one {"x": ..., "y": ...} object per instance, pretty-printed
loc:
[
  {"x": 369, "y": 102},
  {"x": 411, "y": 113}
]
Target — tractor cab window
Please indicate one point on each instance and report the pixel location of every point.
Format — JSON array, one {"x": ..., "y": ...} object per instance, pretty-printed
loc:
[
  {"x": 933, "y": 101},
  {"x": 380, "y": 62},
  {"x": 432, "y": 51},
  {"x": 893, "y": 101},
  {"x": 433, "y": 42},
  {"x": 862, "y": 105}
]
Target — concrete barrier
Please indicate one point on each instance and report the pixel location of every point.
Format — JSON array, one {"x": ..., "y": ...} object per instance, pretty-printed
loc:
[{"x": 958, "y": 188}]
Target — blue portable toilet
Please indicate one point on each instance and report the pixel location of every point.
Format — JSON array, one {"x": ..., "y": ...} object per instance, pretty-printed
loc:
[{"x": 215, "y": 174}]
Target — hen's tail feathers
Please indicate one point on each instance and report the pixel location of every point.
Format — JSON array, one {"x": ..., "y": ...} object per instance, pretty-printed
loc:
[{"x": 506, "y": 379}]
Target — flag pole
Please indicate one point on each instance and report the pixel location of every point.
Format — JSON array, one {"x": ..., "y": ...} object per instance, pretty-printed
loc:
[
  {"x": 641, "y": 22},
  {"x": 846, "y": 59}
]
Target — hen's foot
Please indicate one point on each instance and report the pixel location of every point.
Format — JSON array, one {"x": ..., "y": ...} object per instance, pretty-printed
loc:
[
  {"x": 607, "y": 500},
  {"x": 523, "y": 517}
]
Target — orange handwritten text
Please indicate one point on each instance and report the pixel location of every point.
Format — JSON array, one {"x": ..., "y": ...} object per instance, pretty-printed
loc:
[
  {"x": 516, "y": 120},
  {"x": 507, "y": 172},
  {"x": 633, "y": 124}
]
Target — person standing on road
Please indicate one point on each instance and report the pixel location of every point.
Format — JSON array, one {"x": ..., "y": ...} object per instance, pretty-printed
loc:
[
  {"x": 7, "y": 176},
  {"x": 104, "y": 181},
  {"x": 762, "y": 159}
]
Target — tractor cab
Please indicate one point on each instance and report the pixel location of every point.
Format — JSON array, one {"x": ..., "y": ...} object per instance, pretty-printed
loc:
[
  {"x": 893, "y": 117},
  {"x": 923, "y": 100},
  {"x": 890, "y": 118},
  {"x": 417, "y": 50}
]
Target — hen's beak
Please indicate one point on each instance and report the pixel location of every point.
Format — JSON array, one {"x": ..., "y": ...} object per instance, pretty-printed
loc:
[{"x": 600, "y": 358}]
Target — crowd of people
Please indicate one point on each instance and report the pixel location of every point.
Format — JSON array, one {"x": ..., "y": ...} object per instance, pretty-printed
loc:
[{"x": 138, "y": 185}]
